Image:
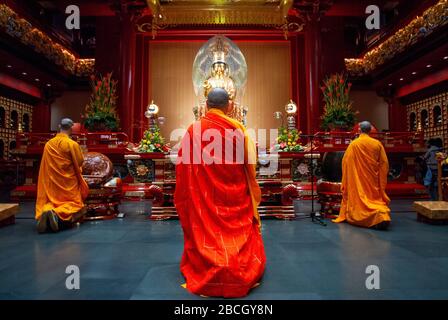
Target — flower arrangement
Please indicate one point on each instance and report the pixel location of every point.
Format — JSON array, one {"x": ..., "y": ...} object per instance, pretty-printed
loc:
[
  {"x": 100, "y": 113},
  {"x": 420, "y": 27},
  {"x": 41, "y": 43},
  {"x": 338, "y": 111},
  {"x": 153, "y": 141},
  {"x": 288, "y": 140}
]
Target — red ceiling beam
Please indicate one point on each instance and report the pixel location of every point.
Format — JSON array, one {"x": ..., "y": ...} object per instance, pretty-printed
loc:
[
  {"x": 20, "y": 85},
  {"x": 423, "y": 83},
  {"x": 348, "y": 9},
  {"x": 96, "y": 10}
]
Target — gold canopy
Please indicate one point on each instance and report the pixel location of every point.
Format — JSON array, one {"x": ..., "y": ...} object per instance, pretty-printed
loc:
[{"x": 220, "y": 12}]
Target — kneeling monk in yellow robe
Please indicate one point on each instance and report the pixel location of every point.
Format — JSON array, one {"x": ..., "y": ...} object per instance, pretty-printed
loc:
[
  {"x": 216, "y": 198},
  {"x": 61, "y": 188},
  {"x": 364, "y": 177}
]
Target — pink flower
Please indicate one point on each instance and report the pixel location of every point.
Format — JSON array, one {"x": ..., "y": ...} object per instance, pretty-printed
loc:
[{"x": 282, "y": 145}]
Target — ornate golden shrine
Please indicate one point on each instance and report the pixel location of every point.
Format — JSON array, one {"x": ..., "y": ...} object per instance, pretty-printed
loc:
[{"x": 219, "y": 63}]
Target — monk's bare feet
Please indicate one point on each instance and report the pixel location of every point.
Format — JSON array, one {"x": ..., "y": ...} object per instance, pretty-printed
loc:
[
  {"x": 53, "y": 221},
  {"x": 42, "y": 223},
  {"x": 382, "y": 225}
]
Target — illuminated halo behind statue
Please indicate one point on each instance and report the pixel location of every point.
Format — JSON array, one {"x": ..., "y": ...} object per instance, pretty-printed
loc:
[{"x": 220, "y": 63}]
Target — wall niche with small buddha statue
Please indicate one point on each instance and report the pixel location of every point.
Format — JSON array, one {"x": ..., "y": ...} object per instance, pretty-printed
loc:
[
  {"x": 15, "y": 117},
  {"x": 430, "y": 115}
]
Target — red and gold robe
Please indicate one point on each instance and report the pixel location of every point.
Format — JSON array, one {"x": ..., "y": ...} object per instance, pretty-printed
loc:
[
  {"x": 60, "y": 185},
  {"x": 364, "y": 177},
  {"x": 217, "y": 206}
]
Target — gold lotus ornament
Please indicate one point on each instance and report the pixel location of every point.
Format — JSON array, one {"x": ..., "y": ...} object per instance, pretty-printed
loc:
[{"x": 142, "y": 170}]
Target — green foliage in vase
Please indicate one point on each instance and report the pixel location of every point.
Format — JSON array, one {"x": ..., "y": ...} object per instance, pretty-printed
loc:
[
  {"x": 100, "y": 113},
  {"x": 338, "y": 111}
]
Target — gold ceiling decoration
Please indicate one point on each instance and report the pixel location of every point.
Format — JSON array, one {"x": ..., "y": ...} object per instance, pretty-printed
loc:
[
  {"x": 419, "y": 28},
  {"x": 21, "y": 29},
  {"x": 169, "y": 13}
]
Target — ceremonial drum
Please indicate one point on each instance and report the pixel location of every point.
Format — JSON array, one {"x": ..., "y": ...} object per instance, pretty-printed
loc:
[
  {"x": 329, "y": 187},
  {"x": 104, "y": 190}
]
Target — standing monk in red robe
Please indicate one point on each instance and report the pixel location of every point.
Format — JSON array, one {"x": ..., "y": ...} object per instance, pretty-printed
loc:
[{"x": 216, "y": 197}]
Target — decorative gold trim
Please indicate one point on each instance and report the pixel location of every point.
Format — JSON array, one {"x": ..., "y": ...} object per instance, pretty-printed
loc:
[
  {"x": 269, "y": 13},
  {"x": 419, "y": 28},
  {"x": 24, "y": 31}
]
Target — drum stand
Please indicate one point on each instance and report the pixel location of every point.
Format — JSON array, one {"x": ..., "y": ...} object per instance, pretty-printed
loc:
[{"x": 315, "y": 216}]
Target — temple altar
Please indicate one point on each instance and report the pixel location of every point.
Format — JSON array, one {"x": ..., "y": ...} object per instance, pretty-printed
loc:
[
  {"x": 151, "y": 176},
  {"x": 210, "y": 59}
]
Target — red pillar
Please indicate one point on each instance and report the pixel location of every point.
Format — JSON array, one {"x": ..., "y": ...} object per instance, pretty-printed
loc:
[
  {"x": 299, "y": 82},
  {"x": 126, "y": 72},
  {"x": 141, "y": 90},
  {"x": 397, "y": 115},
  {"x": 313, "y": 73},
  {"x": 42, "y": 117}
]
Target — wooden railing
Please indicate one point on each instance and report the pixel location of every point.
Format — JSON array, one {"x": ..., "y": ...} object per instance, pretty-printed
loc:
[
  {"x": 396, "y": 141},
  {"x": 88, "y": 139}
]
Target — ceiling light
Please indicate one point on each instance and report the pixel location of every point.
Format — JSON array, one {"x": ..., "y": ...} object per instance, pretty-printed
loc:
[
  {"x": 390, "y": 84},
  {"x": 414, "y": 73},
  {"x": 445, "y": 57},
  {"x": 24, "y": 73},
  {"x": 9, "y": 66},
  {"x": 37, "y": 79},
  {"x": 428, "y": 66},
  {"x": 401, "y": 79},
  {"x": 48, "y": 85}
]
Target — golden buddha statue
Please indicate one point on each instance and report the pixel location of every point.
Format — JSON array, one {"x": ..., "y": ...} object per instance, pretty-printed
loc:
[
  {"x": 220, "y": 64},
  {"x": 220, "y": 77}
]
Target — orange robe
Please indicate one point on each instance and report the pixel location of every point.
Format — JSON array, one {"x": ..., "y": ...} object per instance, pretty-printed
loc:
[
  {"x": 60, "y": 185},
  {"x": 217, "y": 206},
  {"x": 364, "y": 178}
]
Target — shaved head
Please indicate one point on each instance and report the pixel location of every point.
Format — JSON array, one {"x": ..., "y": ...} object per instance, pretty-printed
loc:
[
  {"x": 66, "y": 124},
  {"x": 365, "y": 126},
  {"x": 218, "y": 98}
]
